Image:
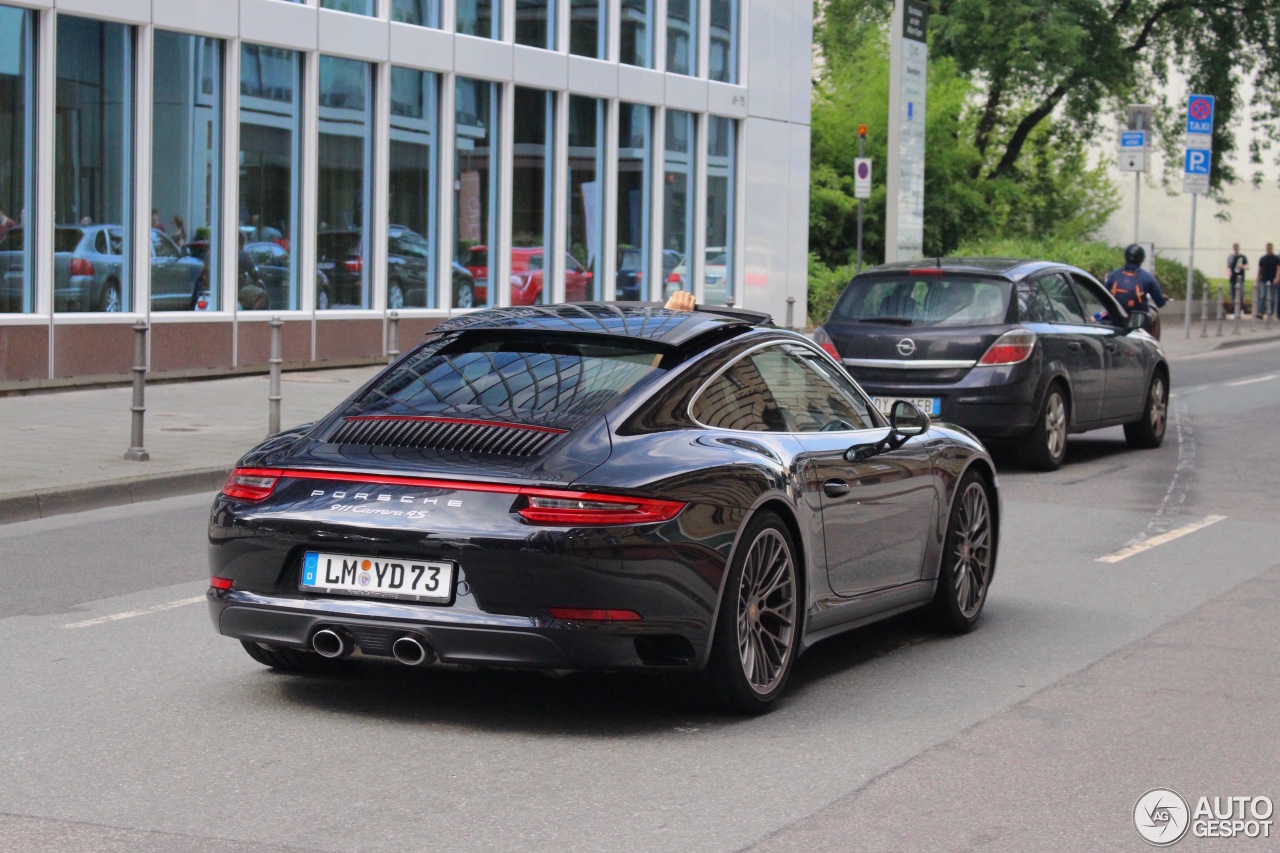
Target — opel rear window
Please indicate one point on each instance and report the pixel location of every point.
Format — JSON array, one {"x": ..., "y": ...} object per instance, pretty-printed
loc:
[
  {"x": 525, "y": 378},
  {"x": 924, "y": 300}
]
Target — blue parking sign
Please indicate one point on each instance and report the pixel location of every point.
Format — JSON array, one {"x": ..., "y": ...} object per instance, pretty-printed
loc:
[{"x": 1198, "y": 161}]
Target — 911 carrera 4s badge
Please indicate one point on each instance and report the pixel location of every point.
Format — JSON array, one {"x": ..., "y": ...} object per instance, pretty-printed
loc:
[{"x": 406, "y": 580}]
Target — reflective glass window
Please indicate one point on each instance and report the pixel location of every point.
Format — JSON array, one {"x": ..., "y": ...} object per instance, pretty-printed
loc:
[
  {"x": 808, "y": 394},
  {"x": 411, "y": 244},
  {"x": 536, "y": 23},
  {"x": 270, "y": 146},
  {"x": 186, "y": 172},
  {"x": 355, "y": 7},
  {"x": 476, "y": 111},
  {"x": 424, "y": 13},
  {"x": 682, "y": 36},
  {"x": 717, "y": 271},
  {"x": 480, "y": 18},
  {"x": 678, "y": 193},
  {"x": 724, "y": 40},
  {"x": 740, "y": 399},
  {"x": 634, "y": 147},
  {"x": 17, "y": 158},
  {"x": 588, "y": 28},
  {"x": 637, "y": 33},
  {"x": 345, "y": 158},
  {"x": 93, "y": 178},
  {"x": 586, "y": 190},
  {"x": 533, "y": 176},
  {"x": 1065, "y": 307}
]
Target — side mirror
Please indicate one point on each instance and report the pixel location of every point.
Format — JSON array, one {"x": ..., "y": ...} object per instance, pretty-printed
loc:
[
  {"x": 1140, "y": 320},
  {"x": 907, "y": 421}
]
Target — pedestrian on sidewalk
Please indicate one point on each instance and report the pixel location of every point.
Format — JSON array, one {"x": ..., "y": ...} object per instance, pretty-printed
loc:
[
  {"x": 1236, "y": 265},
  {"x": 1265, "y": 297}
]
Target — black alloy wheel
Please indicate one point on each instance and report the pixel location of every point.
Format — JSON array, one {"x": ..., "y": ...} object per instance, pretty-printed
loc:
[
  {"x": 758, "y": 629},
  {"x": 1148, "y": 431},
  {"x": 1045, "y": 447},
  {"x": 968, "y": 558}
]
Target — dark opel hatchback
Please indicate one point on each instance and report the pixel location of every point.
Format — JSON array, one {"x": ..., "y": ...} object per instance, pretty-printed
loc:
[{"x": 1023, "y": 350}]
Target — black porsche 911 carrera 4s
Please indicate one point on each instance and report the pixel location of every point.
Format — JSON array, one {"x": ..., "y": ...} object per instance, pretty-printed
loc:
[{"x": 602, "y": 486}]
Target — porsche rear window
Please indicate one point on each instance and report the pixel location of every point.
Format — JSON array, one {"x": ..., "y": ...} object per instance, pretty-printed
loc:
[
  {"x": 924, "y": 300},
  {"x": 516, "y": 378}
]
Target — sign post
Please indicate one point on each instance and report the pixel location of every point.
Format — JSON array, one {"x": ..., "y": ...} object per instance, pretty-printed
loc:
[
  {"x": 908, "y": 77},
  {"x": 861, "y": 183},
  {"x": 1197, "y": 164},
  {"x": 1135, "y": 153}
]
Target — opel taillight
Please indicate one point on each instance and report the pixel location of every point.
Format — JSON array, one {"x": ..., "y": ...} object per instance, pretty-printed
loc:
[
  {"x": 581, "y": 508},
  {"x": 251, "y": 484},
  {"x": 822, "y": 339},
  {"x": 1012, "y": 347}
]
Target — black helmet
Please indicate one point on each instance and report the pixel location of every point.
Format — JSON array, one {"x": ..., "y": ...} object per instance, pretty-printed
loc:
[{"x": 1135, "y": 255}]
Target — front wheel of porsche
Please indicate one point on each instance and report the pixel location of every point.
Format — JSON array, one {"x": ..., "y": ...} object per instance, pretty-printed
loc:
[
  {"x": 758, "y": 630},
  {"x": 968, "y": 558}
]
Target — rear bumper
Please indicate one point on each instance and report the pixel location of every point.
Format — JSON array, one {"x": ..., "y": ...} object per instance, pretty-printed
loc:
[
  {"x": 466, "y": 639},
  {"x": 990, "y": 402}
]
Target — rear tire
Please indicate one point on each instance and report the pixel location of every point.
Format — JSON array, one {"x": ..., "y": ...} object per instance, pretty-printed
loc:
[
  {"x": 292, "y": 660},
  {"x": 757, "y": 633},
  {"x": 1148, "y": 431},
  {"x": 968, "y": 558},
  {"x": 1044, "y": 448},
  {"x": 111, "y": 300}
]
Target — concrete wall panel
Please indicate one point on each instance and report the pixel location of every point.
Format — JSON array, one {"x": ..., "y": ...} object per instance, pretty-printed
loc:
[
  {"x": 421, "y": 47},
  {"x": 24, "y": 353},
  {"x": 84, "y": 350},
  {"x": 769, "y": 59},
  {"x": 349, "y": 340},
  {"x": 593, "y": 77},
  {"x": 255, "y": 343},
  {"x": 765, "y": 235},
  {"x": 284, "y": 24},
  {"x": 798, "y": 223},
  {"x": 801, "y": 60},
  {"x": 353, "y": 36},
  {"x": 483, "y": 58},
  {"x": 205, "y": 19},
  {"x": 190, "y": 346}
]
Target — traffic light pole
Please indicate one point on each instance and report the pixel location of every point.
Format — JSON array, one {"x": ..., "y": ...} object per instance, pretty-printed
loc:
[{"x": 862, "y": 152}]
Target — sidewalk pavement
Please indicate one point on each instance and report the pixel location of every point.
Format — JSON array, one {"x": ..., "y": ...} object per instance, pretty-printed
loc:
[{"x": 64, "y": 449}]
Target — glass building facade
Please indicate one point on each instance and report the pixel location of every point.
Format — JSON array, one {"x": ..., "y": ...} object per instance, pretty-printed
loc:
[{"x": 230, "y": 162}]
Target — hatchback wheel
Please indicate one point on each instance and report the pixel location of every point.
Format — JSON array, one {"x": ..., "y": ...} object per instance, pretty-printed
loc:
[
  {"x": 968, "y": 558},
  {"x": 1045, "y": 446},
  {"x": 757, "y": 632},
  {"x": 1148, "y": 431},
  {"x": 462, "y": 293},
  {"x": 111, "y": 301},
  {"x": 395, "y": 296}
]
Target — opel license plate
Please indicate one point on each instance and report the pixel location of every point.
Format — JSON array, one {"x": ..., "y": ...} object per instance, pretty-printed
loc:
[
  {"x": 378, "y": 577},
  {"x": 931, "y": 406}
]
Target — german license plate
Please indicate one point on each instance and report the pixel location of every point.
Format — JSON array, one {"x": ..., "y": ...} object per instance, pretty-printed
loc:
[
  {"x": 370, "y": 577},
  {"x": 931, "y": 406}
]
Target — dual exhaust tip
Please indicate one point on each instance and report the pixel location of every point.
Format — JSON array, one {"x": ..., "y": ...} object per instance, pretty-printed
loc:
[{"x": 408, "y": 649}]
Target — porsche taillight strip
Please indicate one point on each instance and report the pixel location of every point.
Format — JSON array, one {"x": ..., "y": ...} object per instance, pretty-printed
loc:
[{"x": 251, "y": 484}]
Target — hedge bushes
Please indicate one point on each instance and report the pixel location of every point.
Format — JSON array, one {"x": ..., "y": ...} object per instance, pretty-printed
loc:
[{"x": 1095, "y": 258}]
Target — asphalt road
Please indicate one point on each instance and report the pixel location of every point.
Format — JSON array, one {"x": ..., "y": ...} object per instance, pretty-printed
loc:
[{"x": 130, "y": 725}]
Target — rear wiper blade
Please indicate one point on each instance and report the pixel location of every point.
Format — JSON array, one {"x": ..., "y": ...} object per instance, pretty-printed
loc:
[{"x": 889, "y": 321}]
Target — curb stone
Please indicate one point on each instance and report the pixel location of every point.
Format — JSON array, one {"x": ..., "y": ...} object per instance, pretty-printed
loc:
[{"x": 43, "y": 503}]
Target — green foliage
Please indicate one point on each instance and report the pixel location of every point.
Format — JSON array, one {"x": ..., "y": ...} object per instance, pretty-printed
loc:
[
  {"x": 1093, "y": 257},
  {"x": 825, "y": 286}
]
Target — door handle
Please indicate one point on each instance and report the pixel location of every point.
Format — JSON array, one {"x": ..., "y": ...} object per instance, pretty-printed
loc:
[
  {"x": 835, "y": 488},
  {"x": 1074, "y": 346}
]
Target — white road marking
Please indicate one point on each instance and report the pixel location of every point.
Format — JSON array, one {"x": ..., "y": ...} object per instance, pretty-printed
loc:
[
  {"x": 1240, "y": 382},
  {"x": 1147, "y": 544},
  {"x": 129, "y": 614}
]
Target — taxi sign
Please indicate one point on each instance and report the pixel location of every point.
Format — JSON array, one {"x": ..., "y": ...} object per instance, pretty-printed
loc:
[{"x": 1200, "y": 114}]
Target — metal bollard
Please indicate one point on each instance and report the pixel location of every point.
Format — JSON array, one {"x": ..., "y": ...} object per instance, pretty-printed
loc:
[
  {"x": 1221, "y": 296},
  {"x": 1204, "y": 309},
  {"x": 1239, "y": 309},
  {"x": 728, "y": 303},
  {"x": 273, "y": 398},
  {"x": 136, "y": 451},
  {"x": 791, "y": 310},
  {"x": 393, "y": 336}
]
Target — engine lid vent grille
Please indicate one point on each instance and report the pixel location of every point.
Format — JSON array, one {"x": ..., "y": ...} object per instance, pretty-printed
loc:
[{"x": 426, "y": 432}]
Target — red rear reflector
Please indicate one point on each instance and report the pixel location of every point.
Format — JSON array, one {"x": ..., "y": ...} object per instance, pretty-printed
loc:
[
  {"x": 1010, "y": 348},
  {"x": 220, "y": 583},
  {"x": 202, "y": 304},
  {"x": 585, "y": 615},
  {"x": 577, "y": 508},
  {"x": 823, "y": 339},
  {"x": 251, "y": 484},
  {"x": 79, "y": 266},
  {"x": 926, "y": 271}
]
